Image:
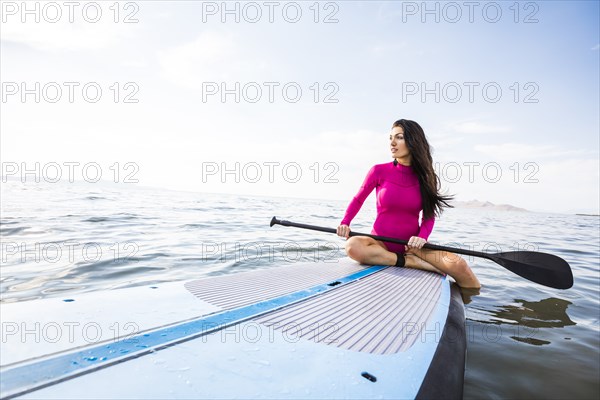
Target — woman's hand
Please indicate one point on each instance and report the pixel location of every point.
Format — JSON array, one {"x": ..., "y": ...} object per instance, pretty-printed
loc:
[
  {"x": 343, "y": 231},
  {"x": 415, "y": 242}
]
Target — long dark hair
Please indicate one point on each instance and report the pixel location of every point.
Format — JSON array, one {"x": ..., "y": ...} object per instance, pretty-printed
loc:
[{"x": 422, "y": 164}]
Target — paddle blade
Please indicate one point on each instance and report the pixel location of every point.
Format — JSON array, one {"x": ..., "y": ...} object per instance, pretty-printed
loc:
[{"x": 545, "y": 269}]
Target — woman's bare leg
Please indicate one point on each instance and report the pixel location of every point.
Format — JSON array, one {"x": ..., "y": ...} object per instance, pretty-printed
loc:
[
  {"x": 369, "y": 251},
  {"x": 446, "y": 262}
]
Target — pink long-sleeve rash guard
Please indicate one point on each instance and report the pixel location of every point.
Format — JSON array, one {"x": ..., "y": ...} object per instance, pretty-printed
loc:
[{"x": 398, "y": 204}]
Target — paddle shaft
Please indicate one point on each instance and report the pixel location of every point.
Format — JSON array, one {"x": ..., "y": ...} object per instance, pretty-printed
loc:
[
  {"x": 383, "y": 238},
  {"x": 545, "y": 269}
]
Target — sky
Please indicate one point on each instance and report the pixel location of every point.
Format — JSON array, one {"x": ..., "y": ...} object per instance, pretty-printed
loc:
[{"x": 297, "y": 99}]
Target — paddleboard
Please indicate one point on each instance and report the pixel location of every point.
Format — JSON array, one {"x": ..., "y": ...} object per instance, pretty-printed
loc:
[{"x": 307, "y": 330}]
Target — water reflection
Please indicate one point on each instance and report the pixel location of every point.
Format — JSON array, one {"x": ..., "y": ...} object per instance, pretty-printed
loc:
[
  {"x": 468, "y": 294},
  {"x": 547, "y": 313},
  {"x": 529, "y": 316}
]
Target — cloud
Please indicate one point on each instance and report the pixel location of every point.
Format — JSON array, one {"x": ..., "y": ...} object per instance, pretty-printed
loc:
[{"x": 596, "y": 47}]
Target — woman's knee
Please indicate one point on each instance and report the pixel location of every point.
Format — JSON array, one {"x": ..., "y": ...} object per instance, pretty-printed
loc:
[
  {"x": 464, "y": 276},
  {"x": 355, "y": 248},
  {"x": 460, "y": 265}
]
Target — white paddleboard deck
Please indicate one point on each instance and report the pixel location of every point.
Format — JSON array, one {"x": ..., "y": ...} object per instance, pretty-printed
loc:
[{"x": 314, "y": 330}]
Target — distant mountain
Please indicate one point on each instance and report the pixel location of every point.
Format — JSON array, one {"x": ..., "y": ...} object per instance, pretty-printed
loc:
[{"x": 486, "y": 205}]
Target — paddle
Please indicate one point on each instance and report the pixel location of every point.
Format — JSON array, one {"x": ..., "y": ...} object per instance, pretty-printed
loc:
[{"x": 545, "y": 269}]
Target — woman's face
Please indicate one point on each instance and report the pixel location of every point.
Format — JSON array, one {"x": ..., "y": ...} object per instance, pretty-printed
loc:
[{"x": 398, "y": 145}]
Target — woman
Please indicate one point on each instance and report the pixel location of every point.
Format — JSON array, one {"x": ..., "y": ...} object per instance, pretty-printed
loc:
[{"x": 405, "y": 188}]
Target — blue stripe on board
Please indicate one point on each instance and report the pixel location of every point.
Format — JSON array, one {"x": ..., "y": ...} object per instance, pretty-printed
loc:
[{"x": 35, "y": 375}]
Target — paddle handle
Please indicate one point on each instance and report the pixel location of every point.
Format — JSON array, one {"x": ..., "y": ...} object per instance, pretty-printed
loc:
[{"x": 431, "y": 246}]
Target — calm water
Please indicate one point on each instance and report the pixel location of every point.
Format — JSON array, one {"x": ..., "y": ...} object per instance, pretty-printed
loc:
[{"x": 524, "y": 340}]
